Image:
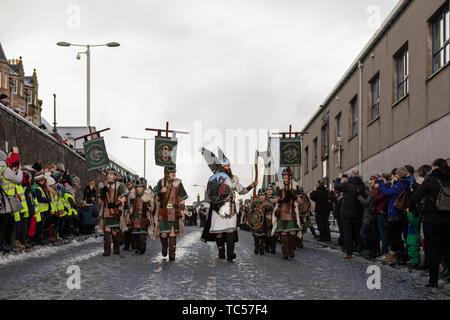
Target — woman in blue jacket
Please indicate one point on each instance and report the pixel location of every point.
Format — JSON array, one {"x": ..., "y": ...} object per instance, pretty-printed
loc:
[{"x": 397, "y": 220}]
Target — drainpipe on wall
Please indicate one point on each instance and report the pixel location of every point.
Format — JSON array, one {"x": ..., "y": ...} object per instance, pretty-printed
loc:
[{"x": 360, "y": 67}]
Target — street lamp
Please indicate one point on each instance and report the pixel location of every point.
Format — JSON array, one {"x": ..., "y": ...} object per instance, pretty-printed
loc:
[
  {"x": 88, "y": 55},
  {"x": 204, "y": 189},
  {"x": 145, "y": 149}
]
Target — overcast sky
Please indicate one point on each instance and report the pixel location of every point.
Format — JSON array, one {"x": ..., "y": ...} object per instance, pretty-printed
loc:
[{"x": 219, "y": 64}]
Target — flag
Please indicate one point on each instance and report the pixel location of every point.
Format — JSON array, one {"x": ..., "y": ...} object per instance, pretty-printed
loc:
[
  {"x": 270, "y": 170},
  {"x": 166, "y": 151},
  {"x": 96, "y": 155}
]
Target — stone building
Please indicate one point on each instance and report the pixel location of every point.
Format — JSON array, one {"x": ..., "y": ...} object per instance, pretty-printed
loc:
[
  {"x": 21, "y": 90},
  {"x": 392, "y": 106}
]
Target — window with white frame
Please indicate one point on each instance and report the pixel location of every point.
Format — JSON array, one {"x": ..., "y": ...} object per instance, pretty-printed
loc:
[
  {"x": 440, "y": 27},
  {"x": 375, "y": 97},
  {"x": 402, "y": 72}
]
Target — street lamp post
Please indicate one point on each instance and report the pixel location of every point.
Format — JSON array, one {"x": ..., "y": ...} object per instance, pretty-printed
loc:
[
  {"x": 88, "y": 71},
  {"x": 204, "y": 189},
  {"x": 145, "y": 150}
]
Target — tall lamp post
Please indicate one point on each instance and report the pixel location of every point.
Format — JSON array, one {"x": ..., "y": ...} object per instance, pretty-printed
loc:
[
  {"x": 204, "y": 189},
  {"x": 88, "y": 55},
  {"x": 145, "y": 150}
]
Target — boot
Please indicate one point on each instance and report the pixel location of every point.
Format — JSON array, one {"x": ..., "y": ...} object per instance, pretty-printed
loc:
[
  {"x": 256, "y": 239},
  {"x": 313, "y": 231},
  {"x": 165, "y": 244},
  {"x": 18, "y": 244},
  {"x": 389, "y": 257},
  {"x": 126, "y": 240},
  {"x": 172, "y": 247},
  {"x": 262, "y": 245},
  {"x": 50, "y": 232},
  {"x": 273, "y": 244},
  {"x": 116, "y": 244},
  {"x": 230, "y": 247},
  {"x": 292, "y": 245},
  {"x": 142, "y": 243},
  {"x": 285, "y": 246},
  {"x": 300, "y": 242},
  {"x": 107, "y": 243},
  {"x": 221, "y": 246}
]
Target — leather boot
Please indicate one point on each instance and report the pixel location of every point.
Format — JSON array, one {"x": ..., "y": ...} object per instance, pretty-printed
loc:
[
  {"x": 273, "y": 244},
  {"x": 300, "y": 242},
  {"x": 142, "y": 243},
  {"x": 165, "y": 245},
  {"x": 262, "y": 245},
  {"x": 116, "y": 244},
  {"x": 285, "y": 246},
  {"x": 256, "y": 240},
  {"x": 221, "y": 247},
  {"x": 126, "y": 240},
  {"x": 107, "y": 243},
  {"x": 172, "y": 247},
  {"x": 230, "y": 247},
  {"x": 292, "y": 245}
]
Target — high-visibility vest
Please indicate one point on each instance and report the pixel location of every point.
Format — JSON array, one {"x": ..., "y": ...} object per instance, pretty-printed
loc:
[
  {"x": 23, "y": 200},
  {"x": 37, "y": 210},
  {"x": 72, "y": 210},
  {"x": 8, "y": 186},
  {"x": 41, "y": 206}
]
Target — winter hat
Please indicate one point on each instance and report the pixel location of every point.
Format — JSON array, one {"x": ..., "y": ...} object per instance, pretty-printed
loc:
[
  {"x": 402, "y": 172},
  {"x": 375, "y": 177},
  {"x": 50, "y": 181},
  {"x": 37, "y": 166},
  {"x": 57, "y": 175},
  {"x": 39, "y": 177},
  {"x": 13, "y": 161}
]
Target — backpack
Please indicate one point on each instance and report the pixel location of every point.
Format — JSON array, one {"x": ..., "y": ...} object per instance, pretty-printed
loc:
[
  {"x": 402, "y": 202},
  {"x": 443, "y": 198}
]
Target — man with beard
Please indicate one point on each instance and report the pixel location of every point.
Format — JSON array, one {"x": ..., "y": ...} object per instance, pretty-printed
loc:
[
  {"x": 139, "y": 214},
  {"x": 113, "y": 195},
  {"x": 271, "y": 240},
  {"x": 223, "y": 228},
  {"x": 170, "y": 201},
  {"x": 286, "y": 219},
  {"x": 128, "y": 183}
]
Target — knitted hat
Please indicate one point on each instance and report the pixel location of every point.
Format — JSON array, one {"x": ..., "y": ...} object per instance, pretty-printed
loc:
[
  {"x": 402, "y": 172},
  {"x": 57, "y": 175},
  {"x": 39, "y": 177},
  {"x": 375, "y": 177}
]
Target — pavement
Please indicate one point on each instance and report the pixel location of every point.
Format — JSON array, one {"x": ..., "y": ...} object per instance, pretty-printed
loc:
[{"x": 317, "y": 272}]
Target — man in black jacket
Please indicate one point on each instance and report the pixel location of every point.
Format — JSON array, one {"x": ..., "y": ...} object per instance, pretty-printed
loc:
[
  {"x": 322, "y": 200},
  {"x": 436, "y": 224},
  {"x": 351, "y": 209}
]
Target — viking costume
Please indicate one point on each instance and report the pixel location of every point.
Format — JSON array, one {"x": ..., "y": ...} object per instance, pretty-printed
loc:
[
  {"x": 127, "y": 233},
  {"x": 111, "y": 212},
  {"x": 271, "y": 244},
  {"x": 169, "y": 213},
  {"x": 222, "y": 216},
  {"x": 304, "y": 208},
  {"x": 139, "y": 215},
  {"x": 286, "y": 218},
  {"x": 259, "y": 221}
]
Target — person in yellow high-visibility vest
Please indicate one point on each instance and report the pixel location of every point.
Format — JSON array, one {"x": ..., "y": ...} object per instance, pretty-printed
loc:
[
  {"x": 26, "y": 184},
  {"x": 43, "y": 206},
  {"x": 74, "y": 220},
  {"x": 8, "y": 177},
  {"x": 19, "y": 216}
]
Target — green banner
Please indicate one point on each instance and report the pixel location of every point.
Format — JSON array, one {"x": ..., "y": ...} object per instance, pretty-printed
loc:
[
  {"x": 96, "y": 155},
  {"x": 290, "y": 152},
  {"x": 166, "y": 151}
]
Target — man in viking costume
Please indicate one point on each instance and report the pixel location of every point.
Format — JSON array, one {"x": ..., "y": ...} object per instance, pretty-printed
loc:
[
  {"x": 129, "y": 187},
  {"x": 286, "y": 218},
  {"x": 221, "y": 225},
  {"x": 112, "y": 197},
  {"x": 271, "y": 240},
  {"x": 260, "y": 218},
  {"x": 139, "y": 214},
  {"x": 170, "y": 205}
]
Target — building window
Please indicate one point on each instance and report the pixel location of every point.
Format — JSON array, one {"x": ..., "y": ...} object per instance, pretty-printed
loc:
[
  {"x": 6, "y": 81},
  {"x": 306, "y": 159},
  {"x": 1, "y": 80},
  {"x": 21, "y": 89},
  {"x": 324, "y": 146},
  {"x": 29, "y": 96},
  {"x": 441, "y": 39},
  {"x": 338, "y": 125},
  {"x": 315, "y": 152},
  {"x": 402, "y": 67},
  {"x": 375, "y": 97},
  {"x": 354, "y": 114},
  {"x": 16, "y": 84}
]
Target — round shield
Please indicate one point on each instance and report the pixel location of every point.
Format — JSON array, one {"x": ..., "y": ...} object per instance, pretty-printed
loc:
[
  {"x": 219, "y": 187},
  {"x": 256, "y": 217}
]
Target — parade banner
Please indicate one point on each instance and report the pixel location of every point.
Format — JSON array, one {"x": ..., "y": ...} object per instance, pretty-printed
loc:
[
  {"x": 96, "y": 155},
  {"x": 165, "y": 151},
  {"x": 290, "y": 152}
]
